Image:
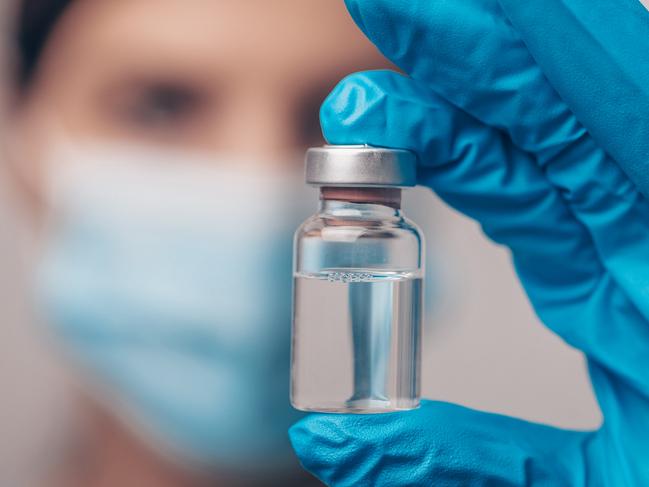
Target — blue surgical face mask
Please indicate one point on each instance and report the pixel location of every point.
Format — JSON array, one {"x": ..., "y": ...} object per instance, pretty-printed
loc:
[{"x": 167, "y": 277}]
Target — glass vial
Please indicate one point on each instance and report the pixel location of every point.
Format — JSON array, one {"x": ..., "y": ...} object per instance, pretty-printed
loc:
[{"x": 358, "y": 272}]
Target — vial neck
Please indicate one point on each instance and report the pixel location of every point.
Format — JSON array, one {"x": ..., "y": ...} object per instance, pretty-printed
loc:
[
  {"x": 374, "y": 196},
  {"x": 368, "y": 202}
]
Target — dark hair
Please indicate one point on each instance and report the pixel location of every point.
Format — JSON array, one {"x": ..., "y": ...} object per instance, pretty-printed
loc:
[{"x": 36, "y": 21}]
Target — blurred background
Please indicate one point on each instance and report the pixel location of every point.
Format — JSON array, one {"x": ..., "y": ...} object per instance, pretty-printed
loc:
[{"x": 112, "y": 106}]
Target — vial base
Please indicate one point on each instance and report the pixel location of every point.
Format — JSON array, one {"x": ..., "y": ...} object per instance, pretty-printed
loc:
[{"x": 356, "y": 341}]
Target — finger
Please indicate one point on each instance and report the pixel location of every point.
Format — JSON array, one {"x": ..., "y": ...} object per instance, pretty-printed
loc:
[
  {"x": 595, "y": 55},
  {"x": 475, "y": 169},
  {"x": 472, "y": 166},
  {"x": 497, "y": 81},
  {"x": 626, "y": 430},
  {"x": 599, "y": 193},
  {"x": 440, "y": 444},
  {"x": 468, "y": 52}
]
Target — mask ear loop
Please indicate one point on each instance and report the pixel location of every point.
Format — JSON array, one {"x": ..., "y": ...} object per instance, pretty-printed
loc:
[
  {"x": 17, "y": 161},
  {"x": 25, "y": 148},
  {"x": 25, "y": 152}
]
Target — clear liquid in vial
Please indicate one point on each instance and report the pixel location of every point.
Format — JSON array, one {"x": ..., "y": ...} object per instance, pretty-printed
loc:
[{"x": 356, "y": 341}]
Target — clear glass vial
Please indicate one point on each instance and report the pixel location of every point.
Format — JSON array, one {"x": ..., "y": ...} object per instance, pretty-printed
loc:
[{"x": 358, "y": 271}]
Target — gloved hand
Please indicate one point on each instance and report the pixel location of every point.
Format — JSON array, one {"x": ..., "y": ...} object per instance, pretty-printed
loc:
[{"x": 496, "y": 141}]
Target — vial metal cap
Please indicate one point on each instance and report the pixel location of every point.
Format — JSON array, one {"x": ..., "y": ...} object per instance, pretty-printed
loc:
[{"x": 360, "y": 166}]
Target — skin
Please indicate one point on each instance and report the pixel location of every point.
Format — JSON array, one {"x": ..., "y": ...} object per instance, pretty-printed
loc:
[
  {"x": 210, "y": 75},
  {"x": 230, "y": 76}
]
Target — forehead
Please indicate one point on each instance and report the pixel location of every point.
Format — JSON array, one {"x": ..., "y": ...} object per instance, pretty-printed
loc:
[{"x": 297, "y": 38}]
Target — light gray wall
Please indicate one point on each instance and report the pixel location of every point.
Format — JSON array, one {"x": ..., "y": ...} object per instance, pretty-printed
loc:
[
  {"x": 33, "y": 388},
  {"x": 484, "y": 346}
]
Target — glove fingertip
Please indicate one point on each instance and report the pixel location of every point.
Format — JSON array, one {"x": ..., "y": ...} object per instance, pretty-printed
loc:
[
  {"x": 317, "y": 452},
  {"x": 355, "y": 110},
  {"x": 299, "y": 437},
  {"x": 342, "y": 109}
]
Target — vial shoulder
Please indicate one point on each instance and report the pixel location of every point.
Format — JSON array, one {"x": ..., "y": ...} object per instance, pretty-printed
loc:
[
  {"x": 325, "y": 226},
  {"x": 323, "y": 243}
]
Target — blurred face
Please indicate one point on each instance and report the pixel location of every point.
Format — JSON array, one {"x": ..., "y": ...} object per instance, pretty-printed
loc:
[
  {"x": 211, "y": 75},
  {"x": 215, "y": 77}
]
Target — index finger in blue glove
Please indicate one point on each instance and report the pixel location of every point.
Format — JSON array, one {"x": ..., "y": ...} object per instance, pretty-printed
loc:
[
  {"x": 475, "y": 169},
  {"x": 472, "y": 166},
  {"x": 469, "y": 52},
  {"x": 497, "y": 81},
  {"x": 595, "y": 54}
]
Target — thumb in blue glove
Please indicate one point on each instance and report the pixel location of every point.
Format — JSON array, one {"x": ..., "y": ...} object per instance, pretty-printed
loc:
[{"x": 439, "y": 444}]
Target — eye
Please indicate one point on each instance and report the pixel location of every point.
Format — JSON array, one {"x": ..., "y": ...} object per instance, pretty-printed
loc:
[
  {"x": 163, "y": 105},
  {"x": 159, "y": 105}
]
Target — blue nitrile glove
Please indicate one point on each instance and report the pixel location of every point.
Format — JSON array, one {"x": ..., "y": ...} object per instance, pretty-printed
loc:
[{"x": 497, "y": 142}]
